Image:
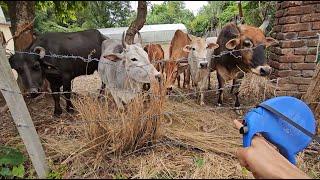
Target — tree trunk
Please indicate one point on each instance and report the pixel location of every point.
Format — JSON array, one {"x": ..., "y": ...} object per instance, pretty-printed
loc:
[
  {"x": 21, "y": 15},
  {"x": 312, "y": 97},
  {"x": 138, "y": 23}
]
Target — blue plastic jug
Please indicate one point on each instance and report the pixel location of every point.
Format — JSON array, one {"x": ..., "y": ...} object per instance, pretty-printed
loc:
[{"x": 270, "y": 119}]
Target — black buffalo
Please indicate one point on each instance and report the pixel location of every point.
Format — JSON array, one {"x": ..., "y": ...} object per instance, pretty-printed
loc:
[{"x": 34, "y": 68}]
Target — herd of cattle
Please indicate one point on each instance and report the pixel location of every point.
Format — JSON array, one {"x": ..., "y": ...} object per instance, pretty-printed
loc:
[{"x": 126, "y": 69}]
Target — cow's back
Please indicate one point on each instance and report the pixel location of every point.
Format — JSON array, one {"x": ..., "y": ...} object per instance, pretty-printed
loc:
[{"x": 86, "y": 44}]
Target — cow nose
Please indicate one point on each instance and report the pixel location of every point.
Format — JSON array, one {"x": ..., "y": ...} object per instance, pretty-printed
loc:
[
  {"x": 265, "y": 71},
  {"x": 33, "y": 92},
  {"x": 203, "y": 65},
  {"x": 158, "y": 77},
  {"x": 146, "y": 86}
]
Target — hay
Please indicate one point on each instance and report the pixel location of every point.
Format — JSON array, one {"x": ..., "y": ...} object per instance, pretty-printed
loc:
[{"x": 256, "y": 87}]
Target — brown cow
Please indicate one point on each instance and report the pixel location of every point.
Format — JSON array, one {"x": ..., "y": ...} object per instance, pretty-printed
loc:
[
  {"x": 155, "y": 53},
  {"x": 245, "y": 46},
  {"x": 173, "y": 69}
]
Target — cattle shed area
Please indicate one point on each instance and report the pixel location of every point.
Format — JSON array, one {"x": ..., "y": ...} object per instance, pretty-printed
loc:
[
  {"x": 160, "y": 33},
  {"x": 170, "y": 136}
]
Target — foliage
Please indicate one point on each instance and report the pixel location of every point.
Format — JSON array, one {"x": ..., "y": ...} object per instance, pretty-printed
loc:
[
  {"x": 170, "y": 12},
  {"x": 70, "y": 16},
  {"x": 11, "y": 163}
]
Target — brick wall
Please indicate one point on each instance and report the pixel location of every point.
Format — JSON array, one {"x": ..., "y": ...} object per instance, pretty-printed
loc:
[{"x": 295, "y": 22}]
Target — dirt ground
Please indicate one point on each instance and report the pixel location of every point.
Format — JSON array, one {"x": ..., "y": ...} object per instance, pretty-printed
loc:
[{"x": 208, "y": 130}]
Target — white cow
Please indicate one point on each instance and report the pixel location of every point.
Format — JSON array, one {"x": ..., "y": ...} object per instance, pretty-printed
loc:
[
  {"x": 124, "y": 69},
  {"x": 198, "y": 51}
]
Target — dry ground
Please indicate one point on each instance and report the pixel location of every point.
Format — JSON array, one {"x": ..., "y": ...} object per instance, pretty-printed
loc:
[{"x": 193, "y": 141}]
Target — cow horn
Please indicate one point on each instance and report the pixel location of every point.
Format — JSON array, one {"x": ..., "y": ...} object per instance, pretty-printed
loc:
[
  {"x": 124, "y": 44},
  {"x": 42, "y": 51},
  {"x": 265, "y": 24},
  {"x": 139, "y": 37}
]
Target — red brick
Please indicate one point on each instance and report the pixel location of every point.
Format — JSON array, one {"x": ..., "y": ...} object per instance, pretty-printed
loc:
[
  {"x": 279, "y": 13},
  {"x": 299, "y": 80},
  {"x": 311, "y": 42},
  {"x": 292, "y": 44},
  {"x": 280, "y": 51},
  {"x": 290, "y": 35},
  {"x": 310, "y": 17},
  {"x": 298, "y": 10},
  {"x": 289, "y": 20},
  {"x": 303, "y": 88},
  {"x": 296, "y": 27},
  {"x": 288, "y": 87},
  {"x": 316, "y": 25},
  {"x": 278, "y": 6},
  {"x": 310, "y": 2},
  {"x": 305, "y": 51},
  {"x": 291, "y": 58},
  {"x": 318, "y": 8},
  {"x": 285, "y": 73},
  {"x": 280, "y": 66},
  {"x": 308, "y": 33},
  {"x": 286, "y": 4},
  {"x": 276, "y": 28},
  {"x": 310, "y": 58},
  {"x": 307, "y": 73},
  {"x": 303, "y": 66}
]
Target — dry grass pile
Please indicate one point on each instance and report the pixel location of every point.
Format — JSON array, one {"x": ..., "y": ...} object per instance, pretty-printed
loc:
[
  {"x": 257, "y": 87},
  {"x": 114, "y": 131}
]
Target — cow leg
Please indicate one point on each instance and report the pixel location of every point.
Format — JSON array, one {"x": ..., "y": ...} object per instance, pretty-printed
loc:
[
  {"x": 236, "y": 86},
  {"x": 209, "y": 86},
  {"x": 221, "y": 83},
  {"x": 233, "y": 84},
  {"x": 186, "y": 79},
  {"x": 56, "y": 97},
  {"x": 102, "y": 90},
  {"x": 178, "y": 79},
  {"x": 67, "y": 94}
]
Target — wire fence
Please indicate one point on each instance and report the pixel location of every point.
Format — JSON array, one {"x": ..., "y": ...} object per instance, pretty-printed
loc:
[{"x": 89, "y": 59}]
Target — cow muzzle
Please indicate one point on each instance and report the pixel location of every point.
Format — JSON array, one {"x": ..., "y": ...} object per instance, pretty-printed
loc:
[
  {"x": 33, "y": 92},
  {"x": 262, "y": 70},
  {"x": 203, "y": 65}
]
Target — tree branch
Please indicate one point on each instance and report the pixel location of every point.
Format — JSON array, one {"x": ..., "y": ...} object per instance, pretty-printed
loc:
[{"x": 138, "y": 23}]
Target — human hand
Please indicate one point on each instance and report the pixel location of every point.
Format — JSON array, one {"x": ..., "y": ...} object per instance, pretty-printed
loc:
[{"x": 264, "y": 161}]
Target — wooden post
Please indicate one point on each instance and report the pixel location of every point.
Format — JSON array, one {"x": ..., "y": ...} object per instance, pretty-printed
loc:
[{"x": 21, "y": 116}]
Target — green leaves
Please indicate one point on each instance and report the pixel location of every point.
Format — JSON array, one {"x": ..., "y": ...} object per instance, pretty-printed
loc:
[
  {"x": 11, "y": 163},
  {"x": 18, "y": 171},
  {"x": 10, "y": 156}
]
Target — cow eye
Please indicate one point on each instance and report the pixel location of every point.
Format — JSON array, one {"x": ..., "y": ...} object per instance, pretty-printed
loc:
[
  {"x": 247, "y": 43},
  {"x": 36, "y": 67},
  {"x": 134, "y": 59}
]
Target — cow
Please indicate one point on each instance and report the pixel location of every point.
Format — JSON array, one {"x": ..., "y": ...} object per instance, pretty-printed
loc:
[
  {"x": 125, "y": 69},
  {"x": 198, "y": 62},
  {"x": 155, "y": 53},
  {"x": 173, "y": 68},
  {"x": 41, "y": 63},
  {"x": 241, "y": 50}
]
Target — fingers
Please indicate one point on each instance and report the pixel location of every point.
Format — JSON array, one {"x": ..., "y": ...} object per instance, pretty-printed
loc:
[
  {"x": 242, "y": 155},
  {"x": 238, "y": 123}
]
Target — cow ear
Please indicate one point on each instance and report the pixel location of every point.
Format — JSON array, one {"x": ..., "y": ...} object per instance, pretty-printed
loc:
[
  {"x": 187, "y": 48},
  {"x": 233, "y": 43},
  {"x": 212, "y": 46},
  {"x": 270, "y": 41},
  {"x": 113, "y": 57},
  {"x": 40, "y": 50}
]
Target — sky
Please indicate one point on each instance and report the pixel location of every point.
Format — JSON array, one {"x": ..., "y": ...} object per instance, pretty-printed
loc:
[{"x": 194, "y": 6}]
